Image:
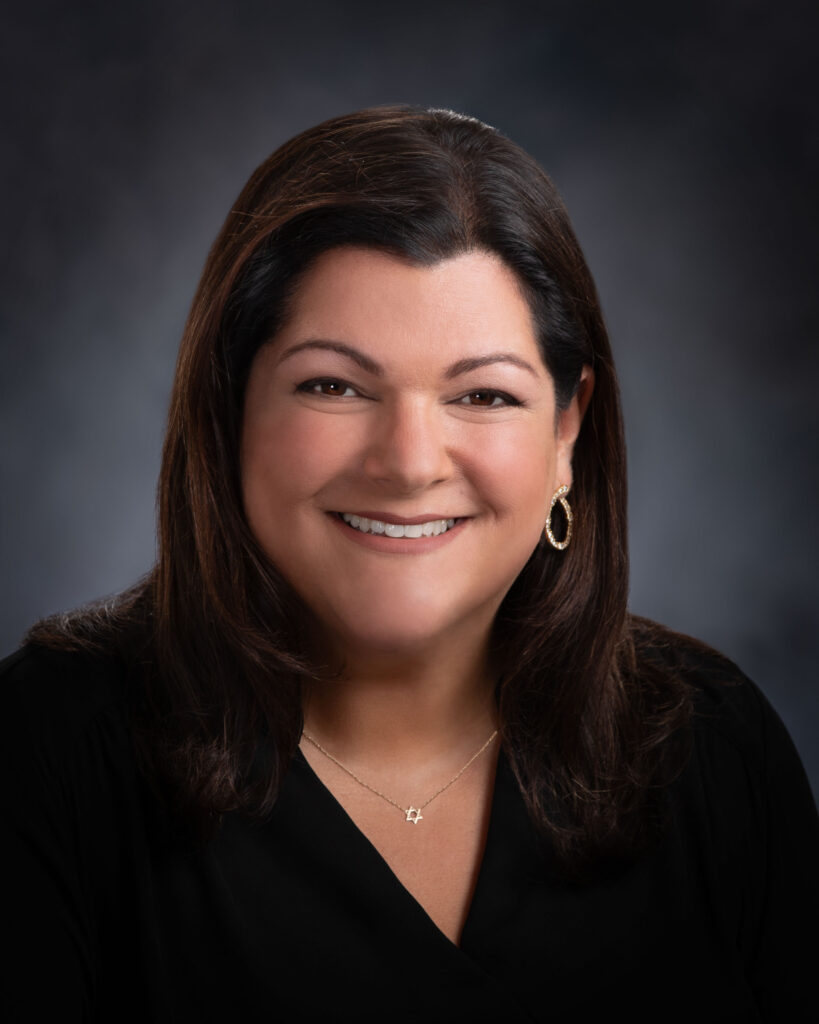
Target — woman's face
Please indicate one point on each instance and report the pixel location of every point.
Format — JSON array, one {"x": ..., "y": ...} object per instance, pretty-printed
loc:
[{"x": 401, "y": 446}]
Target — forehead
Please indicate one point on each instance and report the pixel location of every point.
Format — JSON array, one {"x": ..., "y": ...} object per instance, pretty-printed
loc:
[{"x": 468, "y": 304}]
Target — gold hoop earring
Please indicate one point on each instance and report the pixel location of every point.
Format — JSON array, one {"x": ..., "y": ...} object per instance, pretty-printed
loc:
[{"x": 560, "y": 545}]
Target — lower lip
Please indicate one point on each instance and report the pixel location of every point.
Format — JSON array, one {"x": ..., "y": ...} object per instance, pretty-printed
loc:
[{"x": 398, "y": 545}]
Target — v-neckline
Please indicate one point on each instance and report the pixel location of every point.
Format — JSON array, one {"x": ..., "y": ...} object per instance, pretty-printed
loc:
[{"x": 395, "y": 884}]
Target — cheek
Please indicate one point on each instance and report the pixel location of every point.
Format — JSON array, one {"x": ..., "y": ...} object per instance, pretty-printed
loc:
[
  {"x": 284, "y": 456},
  {"x": 518, "y": 469}
]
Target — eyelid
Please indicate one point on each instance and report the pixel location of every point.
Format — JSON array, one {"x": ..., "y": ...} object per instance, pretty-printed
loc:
[
  {"x": 508, "y": 400},
  {"x": 307, "y": 387}
]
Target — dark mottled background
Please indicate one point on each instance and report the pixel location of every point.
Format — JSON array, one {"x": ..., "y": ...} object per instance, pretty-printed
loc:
[{"x": 683, "y": 138}]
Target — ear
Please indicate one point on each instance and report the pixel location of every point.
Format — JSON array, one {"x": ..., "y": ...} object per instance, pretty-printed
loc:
[{"x": 568, "y": 424}]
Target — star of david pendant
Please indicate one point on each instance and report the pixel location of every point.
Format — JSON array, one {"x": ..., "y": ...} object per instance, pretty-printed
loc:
[{"x": 414, "y": 815}]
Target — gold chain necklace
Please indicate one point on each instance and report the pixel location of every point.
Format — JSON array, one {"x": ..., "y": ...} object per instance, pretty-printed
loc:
[{"x": 412, "y": 813}]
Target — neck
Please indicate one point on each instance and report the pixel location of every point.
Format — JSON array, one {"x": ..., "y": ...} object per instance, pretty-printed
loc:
[{"x": 404, "y": 707}]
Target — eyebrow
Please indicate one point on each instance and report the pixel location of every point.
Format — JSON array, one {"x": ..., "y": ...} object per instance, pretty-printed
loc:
[
  {"x": 465, "y": 365},
  {"x": 376, "y": 370},
  {"x": 363, "y": 361}
]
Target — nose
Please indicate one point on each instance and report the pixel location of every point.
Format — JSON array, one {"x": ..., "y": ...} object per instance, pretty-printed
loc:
[{"x": 409, "y": 448}]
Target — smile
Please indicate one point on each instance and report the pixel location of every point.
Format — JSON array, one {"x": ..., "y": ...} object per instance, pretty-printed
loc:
[{"x": 433, "y": 528}]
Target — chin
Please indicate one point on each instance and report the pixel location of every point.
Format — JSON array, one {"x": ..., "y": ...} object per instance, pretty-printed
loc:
[
  {"x": 390, "y": 639},
  {"x": 408, "y": 631}
]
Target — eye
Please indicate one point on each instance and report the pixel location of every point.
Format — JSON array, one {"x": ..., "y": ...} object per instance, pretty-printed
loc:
[
  {"x": 487, "y": 398},
  {"x": 328, "y": 387}
]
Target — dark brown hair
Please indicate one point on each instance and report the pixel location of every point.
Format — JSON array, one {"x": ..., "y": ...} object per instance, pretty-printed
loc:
[{"x": 586, "y": 722}]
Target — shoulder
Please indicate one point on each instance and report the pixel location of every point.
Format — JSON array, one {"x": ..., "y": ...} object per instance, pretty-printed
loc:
[
  {"x": 57, "y": 699},
  {"x": 724, "y": 701},
  {"x": 77, "y": 683},
  {"x": 738, "y": 741}
]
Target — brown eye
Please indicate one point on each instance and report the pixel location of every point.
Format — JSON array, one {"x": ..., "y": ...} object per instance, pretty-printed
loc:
[
  {"x": 328, "y": 388},
  {"x": 488, "y": 398},
  {"x": 331, "y": 387},
  {"x": 482, "y": 397}
]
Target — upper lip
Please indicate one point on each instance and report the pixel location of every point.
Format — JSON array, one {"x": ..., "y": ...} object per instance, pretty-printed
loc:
[{"x": 388, "y": 517}]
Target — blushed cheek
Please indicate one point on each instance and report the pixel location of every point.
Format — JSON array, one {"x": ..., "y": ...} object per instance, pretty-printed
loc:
[
  {"x": 523, "y": 471},
  {"x": 281, "y": 453}
]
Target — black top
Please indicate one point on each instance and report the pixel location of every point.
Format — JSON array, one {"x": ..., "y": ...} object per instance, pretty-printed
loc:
[{"x": 115, "y": 916}]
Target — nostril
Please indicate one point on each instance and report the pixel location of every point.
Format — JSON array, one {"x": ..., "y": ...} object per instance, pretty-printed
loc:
[{"x": 408, "y": 464}]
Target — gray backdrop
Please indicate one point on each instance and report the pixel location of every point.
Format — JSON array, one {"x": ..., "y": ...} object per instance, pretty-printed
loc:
[{"x": 684, "y": 142}]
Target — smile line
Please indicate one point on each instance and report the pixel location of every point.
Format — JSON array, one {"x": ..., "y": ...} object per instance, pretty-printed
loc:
[{"x": 433, "y": 528}]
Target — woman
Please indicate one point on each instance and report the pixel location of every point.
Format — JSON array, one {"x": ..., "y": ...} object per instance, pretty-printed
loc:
[{"x": 377, "y": 740}]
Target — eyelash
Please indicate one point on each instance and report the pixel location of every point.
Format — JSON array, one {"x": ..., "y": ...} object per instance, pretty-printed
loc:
[
  {"x": 309, "y": 386},
  {"x": 506, "y": 400}
]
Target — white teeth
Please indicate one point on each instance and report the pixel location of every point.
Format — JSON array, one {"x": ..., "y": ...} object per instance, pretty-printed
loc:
[{"x": 430, "y": 529}]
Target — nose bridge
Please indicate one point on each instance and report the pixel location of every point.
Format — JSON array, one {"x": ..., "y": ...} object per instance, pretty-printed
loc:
[{"x": 409, "y": 446}]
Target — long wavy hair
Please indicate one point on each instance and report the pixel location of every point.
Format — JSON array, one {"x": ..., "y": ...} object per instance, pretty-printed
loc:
[{"x": 590, "y": 726}]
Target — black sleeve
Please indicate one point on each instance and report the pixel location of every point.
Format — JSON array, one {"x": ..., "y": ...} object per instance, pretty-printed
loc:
[{"x": 48, "y": 968}]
